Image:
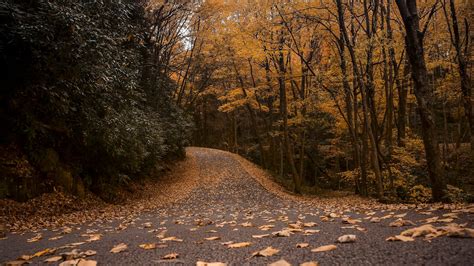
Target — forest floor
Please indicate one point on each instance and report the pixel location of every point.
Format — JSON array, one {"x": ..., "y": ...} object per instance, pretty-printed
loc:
[{"x": 222, "y": 208}]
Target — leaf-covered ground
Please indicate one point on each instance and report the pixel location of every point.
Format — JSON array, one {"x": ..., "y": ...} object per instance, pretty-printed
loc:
[{"x": 221, "y": 208}]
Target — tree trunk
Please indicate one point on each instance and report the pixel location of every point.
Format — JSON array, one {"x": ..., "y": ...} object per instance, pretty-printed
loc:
[{"x": 424, "y": 96}]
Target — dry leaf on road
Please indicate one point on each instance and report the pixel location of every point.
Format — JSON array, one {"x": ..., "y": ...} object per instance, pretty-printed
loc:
[
  {"x": 119, "y": 248},
  {"x": 302, "y": 245},
  {"x": 324, "y": 248},
  {"x": 280, "y": 263},
  {"x": 170, "y": 256},
  {"x": 267, "y": 252},
  {"x": 239, "y": 245},
  {"x": 347, "y": 239},
  {"x": 148, "y": 246},
  {"x": 400, "y": 238}
]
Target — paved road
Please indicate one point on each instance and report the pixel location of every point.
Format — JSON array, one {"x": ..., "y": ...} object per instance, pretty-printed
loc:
[{"x": 232, "y": 205}]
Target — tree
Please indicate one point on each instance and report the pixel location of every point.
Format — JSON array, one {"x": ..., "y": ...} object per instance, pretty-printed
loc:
[{"x": 424, "y": 95}]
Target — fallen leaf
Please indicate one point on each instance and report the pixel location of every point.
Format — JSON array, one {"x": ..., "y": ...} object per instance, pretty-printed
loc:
[
  {"x": 280, "y": 263},
  {"x": 347, "y": 239},
  {"x": 420, "y": 231},
  {"x": 310, "y": 224},
  {"x": 44, "y": 252},
  {"x": 267, "y": 252},
  {"x": 400, "y": 238},
  {"x": 148, "y": 246},
  {"x": 282, "y": 233},
  {"x": 147, "y": 225},
  {"x": 310, "y": 263},
  {"x": 119, "y": 248},
  {"x": 260, "y": 236},
  {"x": 15, "y": 263},
  {"x": 94, "y": 237},
  {"x": 162, "y": 234},
  {"x": 311, "y": 231},
  {"x": 202, "y": 263},
  {"x": 172, "y": 238},
  {"x": 170, "y": 256},
  {"x": 53, "y": 259},
  {"x": 36, "y": 238},
  {"x": 239, "y": 245},
  {"x": 266, "y": 227},
  {"x": 350, "y": 221},
  {"x": 324, "y": 248},
  {"x": 247, "y": 224},
  {"x": 302, "y": 245},
  {"x": 89, "y": 253},
  {"x": 83, "y": 262},
  {"x": 212, "y": 238},
  {"x": 400, "y": 222}
]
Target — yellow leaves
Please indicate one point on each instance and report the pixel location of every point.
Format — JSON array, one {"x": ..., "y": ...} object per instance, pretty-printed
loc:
[
  {"x": 324, "y": 248},
  {"x": 119, "y": 248}
]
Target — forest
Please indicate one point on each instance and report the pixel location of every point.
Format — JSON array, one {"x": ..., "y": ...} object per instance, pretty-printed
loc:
[
  {"x": 240, "y": 132},
  {"x": 368, "y": 96}
]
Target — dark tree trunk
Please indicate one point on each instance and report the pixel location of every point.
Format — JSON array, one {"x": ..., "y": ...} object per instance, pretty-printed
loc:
[{"x": 424, "y": 96}]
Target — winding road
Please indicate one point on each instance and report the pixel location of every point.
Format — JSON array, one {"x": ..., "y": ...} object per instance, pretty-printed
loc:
[{"x": 228, "y": 203}]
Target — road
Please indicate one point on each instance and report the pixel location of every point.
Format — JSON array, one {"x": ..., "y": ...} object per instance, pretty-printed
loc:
[{"x": 230, "y": 204}]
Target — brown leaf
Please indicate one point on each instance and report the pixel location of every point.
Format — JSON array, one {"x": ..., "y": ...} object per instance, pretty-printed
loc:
[
  {"x": 16, "y": 263},
  {"x": 94, "y": 237},
  {"x": 267, "y": 252},
  {"x": 148, "y": 246},
  {"x": 172, "y": 238},
  {"x": 212, "y": 238},
  {"x": 260, "y": 236},
  {"x": 239, "y": 245},
  {"x": 400, "y": 238},
  {"x": 119, "y": 248},
  {"x": 282, "y": 233},
  {"x": 310, "y": 224},
  {"x": 202, "y": 263},
  {"x": 310, "y": 263},
  {"x": 302, "y": 245},
  {"x": 280, "y": 263},
  {"x": 170, "y": 256},
  {"x": 53, "y": 259},
  {"x": 400, "y": 222},
  {"x": 324, "y": 248},
  {"x": 420, "y": 231},
  {"x": 36, "y": 238},
  {"x": 347, "y": 239}
]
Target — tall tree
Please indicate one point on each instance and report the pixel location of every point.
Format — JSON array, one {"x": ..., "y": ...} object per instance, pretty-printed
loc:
[{"x": 424, "y": 95}]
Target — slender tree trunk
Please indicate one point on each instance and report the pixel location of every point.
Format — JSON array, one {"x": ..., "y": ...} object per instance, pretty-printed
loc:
[{"x": 284, "y": 116}]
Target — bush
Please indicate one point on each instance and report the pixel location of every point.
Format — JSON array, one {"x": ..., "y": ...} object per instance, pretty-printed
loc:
[{"x": 73, "y": 83}]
